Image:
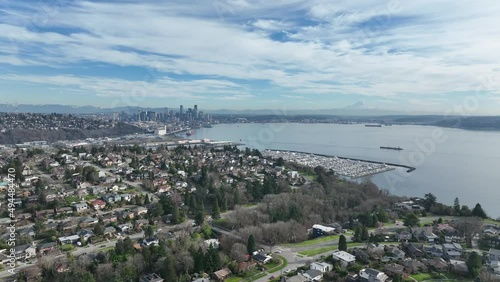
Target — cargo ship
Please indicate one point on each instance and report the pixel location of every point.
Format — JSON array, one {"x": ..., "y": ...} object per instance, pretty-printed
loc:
[
  {"x": 391, "y": 148},
  {"x": 373, "y": 125}
]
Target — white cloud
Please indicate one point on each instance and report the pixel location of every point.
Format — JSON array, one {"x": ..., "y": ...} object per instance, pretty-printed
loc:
[{"x": 413, "y": 48}]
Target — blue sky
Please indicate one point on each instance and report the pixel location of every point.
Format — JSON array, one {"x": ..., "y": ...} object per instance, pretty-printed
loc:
[{"x": 415, "y": 56}]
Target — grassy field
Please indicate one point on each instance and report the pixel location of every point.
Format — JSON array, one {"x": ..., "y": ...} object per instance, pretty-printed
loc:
[
  {"x": 318, "y": 251},
  {"x": 315, "y": 241},
  {"x": 491, "y": 221},
  {"x": 283, "y": 264},
  {"x": 421, "y": 276}
]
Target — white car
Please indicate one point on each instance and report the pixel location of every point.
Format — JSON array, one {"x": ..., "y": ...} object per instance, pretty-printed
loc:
[{"x": 287, "y": 270}]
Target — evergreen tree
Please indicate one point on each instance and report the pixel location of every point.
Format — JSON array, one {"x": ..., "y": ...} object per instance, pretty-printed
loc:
[
  {"x": 456, "y": 206},
  {"x": 98, "y": 229},
  {"x": 149, "y": 232},
  {"x": 175, "y": 215},
  {"x": 199, "y": 218},
  {"x": 168, "y": 272},
  {"x": 146, "y": 200},
  {"x": 474, "y": 264},
  {"x": 216, "y": 213},
  {"x": 199, "y": 261},
  {"x": 478, "y": 211},
  {"x": 250, "y": 244},
  {"x": 342, "y": 243},
  {"x": 357, "y": 233},
  {"x": 364, "y": 234}
]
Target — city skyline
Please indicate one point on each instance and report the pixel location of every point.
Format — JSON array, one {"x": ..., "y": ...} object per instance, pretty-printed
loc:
[{"x": 241, "y": 55}]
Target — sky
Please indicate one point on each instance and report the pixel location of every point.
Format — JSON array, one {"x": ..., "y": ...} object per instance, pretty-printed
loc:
[{"x": 413, "y": 56}]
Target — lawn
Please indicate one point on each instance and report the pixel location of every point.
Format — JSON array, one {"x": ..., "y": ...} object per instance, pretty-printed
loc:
[
  {"x": 421, "y": 276},
  {"x": 314, "y": 241},
  {"x": 355, "y": 244},
  {"x": 283, "y": 264},
  {"x": 234, "y": 279},
  {"x": 491, "y": 221},
  {"x": 318, "y": 251}
]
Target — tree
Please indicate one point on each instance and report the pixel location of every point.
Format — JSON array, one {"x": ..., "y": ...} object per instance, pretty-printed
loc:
[
  {"x": 468, "y": 227},
  {"x": 342, "y": 243},
  {"x": 364, "y": 234},
  {"x": 149, "y": 232},
  {"x": 199, "y": 218},
  {"x": 238, "y": 252},
  {"x": 478, "y": 211},
  {"x": 429, "y": 201},
  {"x": 456, "y": 206},
  {"x": 250, "y": 244},
  {"x": 474, "y": 264},
  {"x": 357, "y": 233},
  {"x": 411, "y": 220},
  {"x": 216, "y": 214},
  {"x": 98, "y": 229},
  {"x": 146, "y": 200}
]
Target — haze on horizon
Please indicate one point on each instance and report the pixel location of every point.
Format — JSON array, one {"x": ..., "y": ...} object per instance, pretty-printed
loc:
[{"x": 423, "y": 56}]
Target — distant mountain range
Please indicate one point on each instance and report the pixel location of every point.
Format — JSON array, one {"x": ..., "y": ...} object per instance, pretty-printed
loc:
[{"x": 357, "y": 109}]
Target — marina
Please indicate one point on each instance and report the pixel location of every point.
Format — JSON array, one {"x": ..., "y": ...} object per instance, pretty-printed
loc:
[{"x": 351, "y": 168}]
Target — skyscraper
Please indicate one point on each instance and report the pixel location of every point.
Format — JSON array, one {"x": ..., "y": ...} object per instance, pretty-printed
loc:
[{"x": 181, "y": 112}]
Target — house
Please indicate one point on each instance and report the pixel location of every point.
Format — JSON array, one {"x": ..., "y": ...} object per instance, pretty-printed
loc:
[
  {"x": 344, "y": 258},
  {"x": 452, "y": 251},
  {"x": 152, "y": 277},
  {"x": 262, "y": 258},
  {"x": 404, "y": 236},
  {"x": 413, "y": 251},
  {"x": 437, "y": 264},
  {"x": 214, "y": 242},
  {"x": 68, "y": 239},
  {"x": 85, "y": 234},
  {"x": 413, "y": 266},
  {"x": 313, "y": 275},
  {"x": 221, "y": 275},
  {"x": 150, "y": 241},
  {"x": 246, "y": 265},
  {"x": 124, "y": 227},
  {"x": 109, "y": 231},
  {"x": 47, "y": 248},
  {"x": 394, "y": 269},
  {"x": 320, "y": 230},
  {"x": 459, "y": 266},
  {"x": 372, "y": 275},
  {"x": 64, "y": 210},
  {"x": 140, "y": 211},
  {"x": 394, "y": 252},
  {"x": 62, "y": 266},
  {"x": 494, "y": 255},
  {"x": 29, "y": 231},
  {"x": 435, "y": 251},
  {"x": 321, "y": 266},
  {"x": 25, "y": 251},
  {"x": 80, "y": 207},
  {"x": 425, "y": 233},
  {"x": 98, "y": 204}
]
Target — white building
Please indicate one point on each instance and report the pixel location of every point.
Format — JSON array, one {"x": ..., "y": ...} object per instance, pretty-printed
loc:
[
  {"x": 321, "y": 266},
  {"x": 214, "y": 242},
  {"x": 372, "y": 275},
  {"x": 344, "y": 258}
]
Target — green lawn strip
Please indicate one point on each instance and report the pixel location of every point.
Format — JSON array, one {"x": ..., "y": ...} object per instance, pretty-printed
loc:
[
  {"x": 283, "y": 264},
  {"x": 355, "y": 244},
  {"x": 421, "y": 276},
  {"x": 314, "y": 241},
  {"x": 234, "y": 279},
  {"x": 256, "y": 277},
  {"x": 318, "y": 251},
  {"x": 491, "y": 221}
]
